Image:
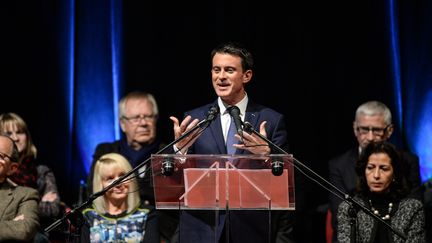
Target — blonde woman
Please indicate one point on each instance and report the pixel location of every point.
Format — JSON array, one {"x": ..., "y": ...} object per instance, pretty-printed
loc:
[{"x": 118, "y": 215}]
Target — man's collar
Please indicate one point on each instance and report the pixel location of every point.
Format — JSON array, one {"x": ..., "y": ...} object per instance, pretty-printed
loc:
[{"x": 241, "y": 105}]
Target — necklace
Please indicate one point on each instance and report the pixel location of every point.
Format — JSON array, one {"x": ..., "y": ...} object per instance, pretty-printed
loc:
[{"x": 376, "y": 212}]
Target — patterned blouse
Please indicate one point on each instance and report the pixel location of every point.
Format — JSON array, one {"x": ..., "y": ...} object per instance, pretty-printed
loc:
[
  {"x": 408, "y": 219},
  {"x": 138, "y": 226}
]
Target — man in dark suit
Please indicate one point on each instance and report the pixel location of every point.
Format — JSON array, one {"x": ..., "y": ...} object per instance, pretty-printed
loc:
[
  {"x": 19, "y": 219},
  {"x": 373, "y": 122},
  {"x": 231, "y": 70}
]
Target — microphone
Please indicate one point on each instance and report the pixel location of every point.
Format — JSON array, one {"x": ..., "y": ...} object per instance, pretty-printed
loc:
[
  {"x": 277, "y": 165},
  {"x": 248, "y": 127},
  {"x": 234, "y": 111},
  {"x": 211, "y": 115},
  {"x": 168, "y": 165}
]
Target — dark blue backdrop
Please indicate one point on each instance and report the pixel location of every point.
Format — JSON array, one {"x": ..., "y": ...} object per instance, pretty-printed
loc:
[{"x": 66, "y": 63}]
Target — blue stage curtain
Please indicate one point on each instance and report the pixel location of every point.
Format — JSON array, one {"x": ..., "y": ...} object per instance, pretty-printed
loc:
[
  {"x": 410, "y": 38},
  {"x": 91, "y": 57}
]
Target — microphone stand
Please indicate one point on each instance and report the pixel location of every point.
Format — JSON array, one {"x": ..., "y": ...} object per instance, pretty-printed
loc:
[
  {"x": 327, "y": 185},
  {"x": 75, "y": 216},
  {"x": 352, "y": 211}
]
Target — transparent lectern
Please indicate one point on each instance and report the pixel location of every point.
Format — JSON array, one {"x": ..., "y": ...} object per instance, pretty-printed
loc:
[{"x": 221, "y": 184}]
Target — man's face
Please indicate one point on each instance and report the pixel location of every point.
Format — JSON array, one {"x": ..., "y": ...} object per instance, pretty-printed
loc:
[
  {"x": 371, "y": 129},
  {"x": 139, "y": 123},
  {"x": 228, "y": 77},
  {"x": 7, "y": 167}
]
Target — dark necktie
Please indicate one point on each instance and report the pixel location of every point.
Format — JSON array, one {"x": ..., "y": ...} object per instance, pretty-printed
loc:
[{"x": 231, "y": 138}]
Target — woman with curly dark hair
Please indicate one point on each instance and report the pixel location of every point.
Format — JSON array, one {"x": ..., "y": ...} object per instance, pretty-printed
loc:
[{"x": 382, "y": 187}]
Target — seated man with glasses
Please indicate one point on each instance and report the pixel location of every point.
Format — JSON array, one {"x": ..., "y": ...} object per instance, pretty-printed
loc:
[
  {"x": 373, "y": 123},
  {"x": 376, "y": 131},
  {"x": 19, "y": 219},
  {"x": 138, "y": 114}
]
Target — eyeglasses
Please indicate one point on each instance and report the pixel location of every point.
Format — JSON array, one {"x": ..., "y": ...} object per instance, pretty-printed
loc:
[
  {"x": 377, "y": 131},
  {"x": 3, "y": 157},
  {"x": 137, "y": 119}
]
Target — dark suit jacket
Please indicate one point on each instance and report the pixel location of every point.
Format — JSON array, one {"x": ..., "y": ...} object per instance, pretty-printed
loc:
[
  {"x": 245, "y": 226},
  {"x": 211, "y": 141},
  {"x": 342, "y": 174},
  {"x": 16, "y": 200}
]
